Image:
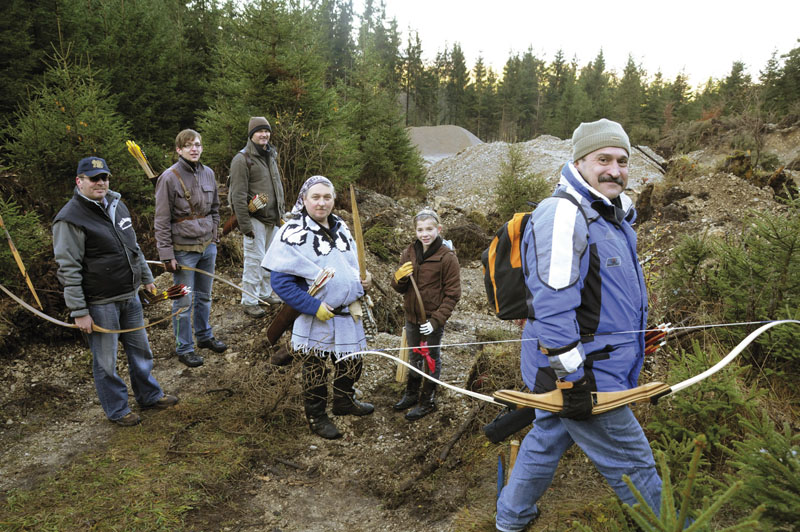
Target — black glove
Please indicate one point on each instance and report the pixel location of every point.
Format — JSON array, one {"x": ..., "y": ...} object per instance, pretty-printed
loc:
[
  {"x": 172, "y": 265},
  {"x": 577, "y": 399}
]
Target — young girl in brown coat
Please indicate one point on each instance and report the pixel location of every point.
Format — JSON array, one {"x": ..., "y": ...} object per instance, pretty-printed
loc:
[{"x": 434, "y": 266}]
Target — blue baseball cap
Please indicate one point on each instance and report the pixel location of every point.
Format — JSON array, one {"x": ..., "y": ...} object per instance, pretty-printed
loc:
[{"x": 91, "y": 166}]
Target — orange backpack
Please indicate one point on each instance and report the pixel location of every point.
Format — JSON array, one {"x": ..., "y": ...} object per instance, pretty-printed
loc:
[{"x": 502, "y": 270}]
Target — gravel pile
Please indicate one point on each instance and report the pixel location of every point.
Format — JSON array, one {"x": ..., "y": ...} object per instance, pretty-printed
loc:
[{"x": 469, "y": 177}]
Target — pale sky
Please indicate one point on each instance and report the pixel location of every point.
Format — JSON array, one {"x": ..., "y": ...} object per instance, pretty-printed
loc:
[{"x": 702, "y": 38}]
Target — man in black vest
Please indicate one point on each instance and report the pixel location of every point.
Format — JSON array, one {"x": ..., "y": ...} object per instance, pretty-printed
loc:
[{"x": 101, "y": 268}]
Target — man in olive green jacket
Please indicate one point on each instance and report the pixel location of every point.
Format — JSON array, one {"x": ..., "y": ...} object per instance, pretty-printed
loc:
[{"x": 254, "y": 171}]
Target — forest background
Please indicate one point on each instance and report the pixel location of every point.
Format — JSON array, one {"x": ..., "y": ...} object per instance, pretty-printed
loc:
[{"x": 79, "y": 77}]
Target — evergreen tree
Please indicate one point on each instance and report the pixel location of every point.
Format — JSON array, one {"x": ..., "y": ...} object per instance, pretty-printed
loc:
[
  {"x": 594, "y": 81},
  {"x": 530, "y": 98},
  {"x": 27, "y": 30},
  {"x": 442, "y": 67},
  {"x": 509, "y": 91},
  {"x": 655, "y": 102},
  {"x": 142, "y": 55},
  {"x": 456, "y": 88},
  {"x": 492, "y": 115},
  {"x": 733, "y": 89},
  {"x": 629, "y": 96},
  {"x": 709, "y": 99},
  {"x": 769, "y": 77},
  {"x": 386, "y": 160},
  {"x": 557, "y": 73},
  {"x": 479, "y": 99},
  {"x": 678, "y": 100},
  {"x": 335, "y": 23},
  {"x": 413, "y": 71},
  {"x": 789, "y": 82},
  {"x": 267, "y": 65},
  {"x": 71, "y": 115}
]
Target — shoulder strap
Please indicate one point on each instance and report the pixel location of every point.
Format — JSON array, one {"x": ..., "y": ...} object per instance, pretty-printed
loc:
[
  {"x": 566, "y": 195},
  {"x": 186, "y": 192}
]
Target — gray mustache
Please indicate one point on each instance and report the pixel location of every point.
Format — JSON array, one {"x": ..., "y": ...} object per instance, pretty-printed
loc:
[{"x": 610, "y": 179}]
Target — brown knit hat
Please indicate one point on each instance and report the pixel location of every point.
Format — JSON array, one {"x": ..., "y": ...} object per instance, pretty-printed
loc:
[
  {"x": 257, "y": 123},
  {"x": 591, "y": 136}
]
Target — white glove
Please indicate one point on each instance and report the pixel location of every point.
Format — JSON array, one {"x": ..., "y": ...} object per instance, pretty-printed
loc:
[{"x": 426, "y": 328}]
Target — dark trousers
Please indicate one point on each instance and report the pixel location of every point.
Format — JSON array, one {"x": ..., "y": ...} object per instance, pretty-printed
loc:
[
  {"x": 413, "y": 338},
  {"x": 315, "y": 377}
]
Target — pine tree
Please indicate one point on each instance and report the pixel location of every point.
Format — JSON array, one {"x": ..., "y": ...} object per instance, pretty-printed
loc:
[
  {"x": 630, "y": 95},
  {"x": 530, "y": 97},
  {"x": 508, "y": 93},
  {"x": 733, "y": 89},
  {"x": 72, "y": 115},
  {"x": 594, "y": 81},
  {"x": 413, "y": 70},
  {"x": 27, "y": 30},
  {"x": 267, "y": 65},
  {"x": 139, "y": 52},
  {"x": 456, "y": 88}
]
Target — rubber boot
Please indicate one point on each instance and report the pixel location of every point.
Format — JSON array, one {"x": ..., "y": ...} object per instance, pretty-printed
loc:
[
  {"x": 344, "y": 402},
  {"x": 426, "y": 402},
  {"x": 319, "y": 422},
  {"x": 411, "y": 395}
]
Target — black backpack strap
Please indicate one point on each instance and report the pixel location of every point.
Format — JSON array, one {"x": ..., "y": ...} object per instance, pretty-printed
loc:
[{"x": 566, "y": 195}]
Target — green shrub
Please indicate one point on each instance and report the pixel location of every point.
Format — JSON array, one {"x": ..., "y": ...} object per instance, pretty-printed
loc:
[
  {"x": 515, "y": 188},
  {"x": 382, "y": 241},
  {"x": 29, "y": 238},
  {"x": 750, "y": 276},
  {"x": 69, "y": 117},
  {"x": 713, "y": 406},
  {"x": 769, "y": 463}
]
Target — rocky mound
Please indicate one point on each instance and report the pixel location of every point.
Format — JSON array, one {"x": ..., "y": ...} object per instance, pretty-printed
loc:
[
  {"x": 437, "y": 142},
  {"x": 468, "y": 178}
]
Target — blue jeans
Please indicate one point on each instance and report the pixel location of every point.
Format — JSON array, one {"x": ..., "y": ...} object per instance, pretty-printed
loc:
[
  {"x": 111, "y": 389},
  {"x": 198, "y": 302},
  {"x": 614, "y": 441}
]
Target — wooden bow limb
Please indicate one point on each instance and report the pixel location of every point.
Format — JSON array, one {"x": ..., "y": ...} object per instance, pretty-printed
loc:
[
  {"x": 358, "y": 235},
  {"x": 20, "y": 265},
  {"x": 605, "y": 401},
  {"x": 95, "y": 327},
  {"x": 360, "y": 309},
  {"x": 420, "y": 304},
  {"x": 213, "y": 276}
]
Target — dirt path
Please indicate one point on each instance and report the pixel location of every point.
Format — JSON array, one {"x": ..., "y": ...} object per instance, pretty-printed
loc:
[{"x": 51, "y": 417}]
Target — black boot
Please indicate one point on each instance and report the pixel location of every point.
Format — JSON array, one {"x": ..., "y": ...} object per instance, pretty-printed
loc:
[
  {"x": 319, "y": 422},
  {"x": 347, "y": 405},
  {"x": 411, "y": 394},
  {"x": 426, "y": 402},
  {"x": 348, "y": 372}
]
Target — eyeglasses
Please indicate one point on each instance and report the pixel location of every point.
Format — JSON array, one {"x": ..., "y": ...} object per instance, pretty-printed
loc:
[
  {"x": 98, "y": 177},
  {"x": 190, "y": 146}
]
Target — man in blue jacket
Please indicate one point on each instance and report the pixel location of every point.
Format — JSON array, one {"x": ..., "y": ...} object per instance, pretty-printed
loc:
[
  {"x": 583, "y": 283},
  {"x": 101, "y": 268}
]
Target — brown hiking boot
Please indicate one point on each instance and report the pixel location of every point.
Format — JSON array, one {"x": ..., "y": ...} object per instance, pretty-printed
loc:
[
  {"x": 254, "y": 311},
  {"x": 166, "y": 401},
  {"x": 128, "y": 420}
]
